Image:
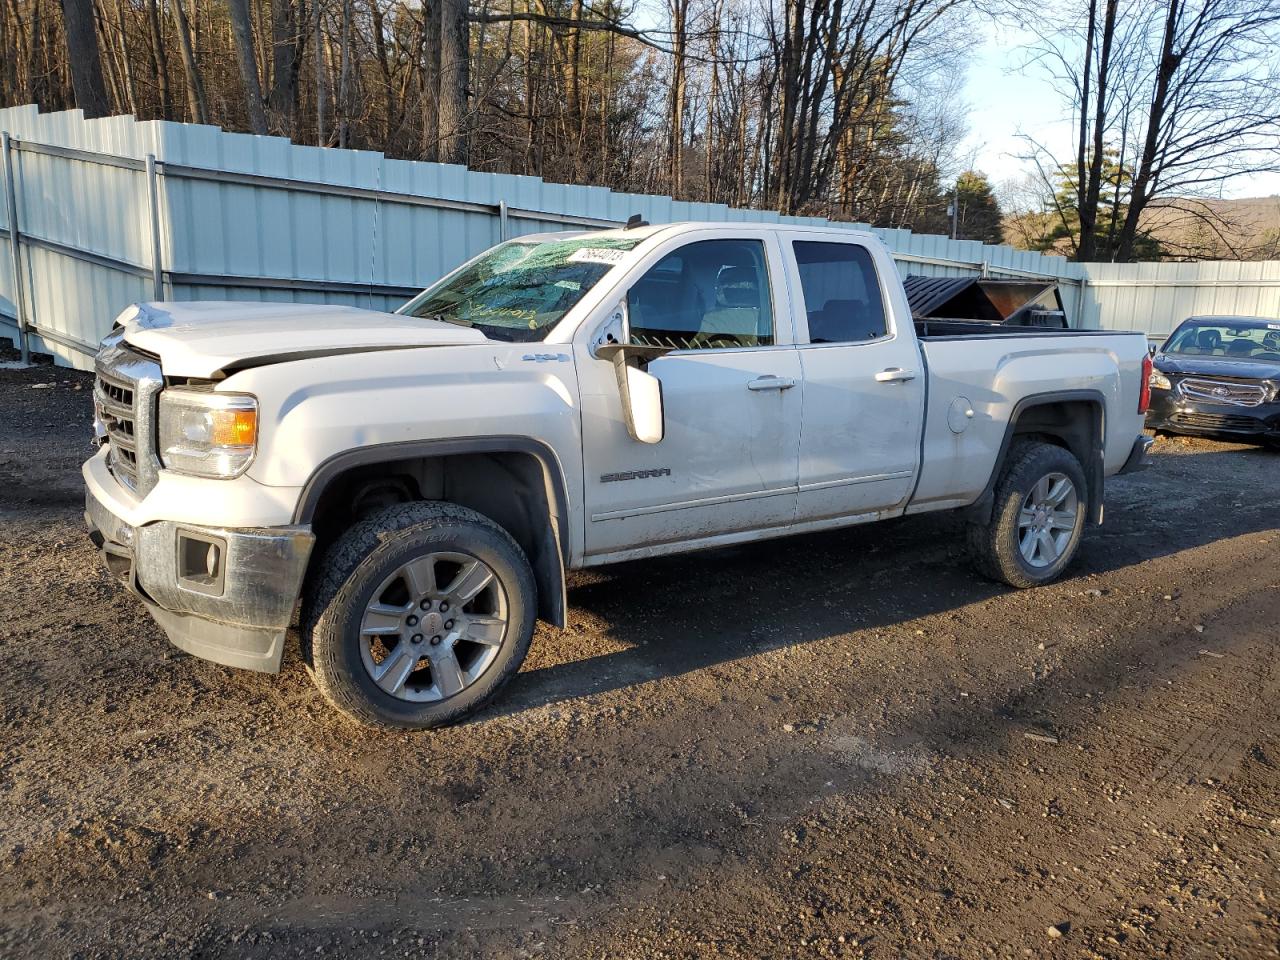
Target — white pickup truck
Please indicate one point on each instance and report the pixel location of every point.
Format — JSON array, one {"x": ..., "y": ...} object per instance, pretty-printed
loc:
[{"x": 415, "y": 485}]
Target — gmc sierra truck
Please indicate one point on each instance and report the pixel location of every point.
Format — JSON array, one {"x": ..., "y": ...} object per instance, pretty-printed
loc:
[{"x": 413, "y": 486}]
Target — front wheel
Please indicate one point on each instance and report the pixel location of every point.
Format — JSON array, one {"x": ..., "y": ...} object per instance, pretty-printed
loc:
[
  {"x": 418, "y": 615},
  {"x": 1037, "y": 519}
]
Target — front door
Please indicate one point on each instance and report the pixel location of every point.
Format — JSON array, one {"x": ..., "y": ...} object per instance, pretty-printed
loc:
[{"x": 731, "y": 397}]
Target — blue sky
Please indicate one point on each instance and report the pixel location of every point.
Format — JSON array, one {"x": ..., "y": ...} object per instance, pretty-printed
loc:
[{"x": 1006, "y": 99}]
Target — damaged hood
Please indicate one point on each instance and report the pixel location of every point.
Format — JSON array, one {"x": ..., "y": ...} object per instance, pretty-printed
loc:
[{"x": 204, "y": 339}]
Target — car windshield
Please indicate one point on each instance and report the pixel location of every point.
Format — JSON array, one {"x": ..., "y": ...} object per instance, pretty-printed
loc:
[
  {"x": 1249, "y": 340},
  {"x": 521, "y": 289}
]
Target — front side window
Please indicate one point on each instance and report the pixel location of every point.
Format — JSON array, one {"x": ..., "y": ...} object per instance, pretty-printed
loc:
[
  {"x": 518, "y": 291},
  {"x": 708, "y": 294},
  {"x": 841, "y": 292}
]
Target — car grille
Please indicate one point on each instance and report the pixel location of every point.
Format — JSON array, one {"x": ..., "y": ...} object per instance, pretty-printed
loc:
[
  {"x": 125, "y": 393},
  {"x": 1216, "y": 421},
  {"x": 1223, "y": 391}
]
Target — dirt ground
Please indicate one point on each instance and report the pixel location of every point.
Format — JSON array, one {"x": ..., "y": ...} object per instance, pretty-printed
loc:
[{"x": 835, "y": 745}]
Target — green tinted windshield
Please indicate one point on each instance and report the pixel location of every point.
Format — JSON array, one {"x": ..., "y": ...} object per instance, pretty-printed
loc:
[{"x": 520, "y": 290}]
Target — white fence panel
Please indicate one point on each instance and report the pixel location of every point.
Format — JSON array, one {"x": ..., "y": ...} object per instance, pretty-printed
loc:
[
  {"x": 244, "y": 217},
  {"x": 1156, "y": 297}
]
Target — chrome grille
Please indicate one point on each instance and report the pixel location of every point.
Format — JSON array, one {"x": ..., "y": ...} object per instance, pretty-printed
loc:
[
  {"x": 1231, "y": 392},
  {"x": 125, "y": 394}
]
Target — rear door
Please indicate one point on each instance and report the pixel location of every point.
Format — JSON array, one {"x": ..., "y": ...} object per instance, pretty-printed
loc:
[
  {"x": 730, "y": 392},
  {"x": 864, "y": 379}
]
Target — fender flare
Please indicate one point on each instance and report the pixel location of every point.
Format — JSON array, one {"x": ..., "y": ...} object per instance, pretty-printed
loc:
[
  {"x": 1094, "y": 467},
  {"x": 553, "y": 607}
]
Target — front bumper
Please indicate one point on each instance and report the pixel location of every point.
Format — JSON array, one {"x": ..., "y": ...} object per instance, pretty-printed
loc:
[
  {"x": 234, "y": 611},
  {"x": 1176, "y": 414}
]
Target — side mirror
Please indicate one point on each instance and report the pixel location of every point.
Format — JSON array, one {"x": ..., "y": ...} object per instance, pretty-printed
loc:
[{"x": 639, "y": 390}]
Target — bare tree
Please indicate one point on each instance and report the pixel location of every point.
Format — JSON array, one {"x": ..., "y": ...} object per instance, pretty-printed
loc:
[
  {"x": 1174, "y": 100},
  {"x": 83, "y": 58},
  {"x": 242, "y": 27}
]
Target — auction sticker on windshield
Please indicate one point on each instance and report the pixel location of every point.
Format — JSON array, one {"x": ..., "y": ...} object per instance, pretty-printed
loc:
[{"x": 597, "y": 255}]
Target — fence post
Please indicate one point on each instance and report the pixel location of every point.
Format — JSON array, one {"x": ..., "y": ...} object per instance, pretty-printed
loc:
[
  {"x": 153, "y": 205},
  {"x": 502, "y": 220},
  {"x": 15, "y": 250}
]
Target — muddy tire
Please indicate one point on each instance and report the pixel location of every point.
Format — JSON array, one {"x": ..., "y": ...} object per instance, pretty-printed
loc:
[
  {"x": 1037, "y": 519},
  {"x": 417, "y": 616}
]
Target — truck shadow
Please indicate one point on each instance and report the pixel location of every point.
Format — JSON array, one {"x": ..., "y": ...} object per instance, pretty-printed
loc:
[{"x": 674, "y": 615}]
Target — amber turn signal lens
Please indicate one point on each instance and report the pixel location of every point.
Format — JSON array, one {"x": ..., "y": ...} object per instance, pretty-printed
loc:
[{"x": 234, "y": 428}]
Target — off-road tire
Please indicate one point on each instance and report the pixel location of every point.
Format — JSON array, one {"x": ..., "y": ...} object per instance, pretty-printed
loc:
[
  {"x": 994, "y": 545},
  {"x": 355, "y": 565}
]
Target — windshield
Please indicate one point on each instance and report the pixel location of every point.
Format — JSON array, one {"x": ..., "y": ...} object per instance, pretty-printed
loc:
[
  {"x": 1249, "y": 340},
  {"x": 520, "y": 290}
]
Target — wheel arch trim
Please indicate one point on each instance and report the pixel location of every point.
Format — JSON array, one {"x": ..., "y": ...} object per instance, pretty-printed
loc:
[
  {"x": 1094, "y": 469},
  {"x": 552, "y": 608}
]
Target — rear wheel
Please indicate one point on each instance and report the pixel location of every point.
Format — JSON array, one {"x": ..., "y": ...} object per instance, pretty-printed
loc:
[
  {"x": 1037, "y": 519},
  {"x": 418, "y": 616}
]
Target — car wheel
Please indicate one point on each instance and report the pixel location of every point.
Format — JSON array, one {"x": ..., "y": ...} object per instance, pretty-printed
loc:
[
  {"x": 1037, "y": 519},
  {"x": 418, "y": 616}
]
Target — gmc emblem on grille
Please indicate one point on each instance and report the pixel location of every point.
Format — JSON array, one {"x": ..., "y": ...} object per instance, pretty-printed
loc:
[{"x": 635, "y": 475}]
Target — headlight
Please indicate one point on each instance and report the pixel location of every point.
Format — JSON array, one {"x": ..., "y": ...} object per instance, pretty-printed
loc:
[
  {"x": 207, "y": 434},
  {"x": 1158, "y": 381}
]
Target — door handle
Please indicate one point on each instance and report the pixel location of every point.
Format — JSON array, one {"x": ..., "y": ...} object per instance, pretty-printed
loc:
[
  {"x": 770, "y": 382},
  {"x": 895, "y": 375}
]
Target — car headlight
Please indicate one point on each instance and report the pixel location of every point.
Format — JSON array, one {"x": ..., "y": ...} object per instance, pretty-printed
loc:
[
  {"x": 207, "y": 434},
  {"x": 1158, "y": 381}
]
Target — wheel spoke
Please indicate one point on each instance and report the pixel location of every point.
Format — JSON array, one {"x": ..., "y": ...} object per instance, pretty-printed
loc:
[
  {"x": 1058, "y": 492},
  {"x": 1027, "y": 544},
  {"x": 1042, "y": 490},
  {"x": 392, "y": 673},
  {"x": 1048, "y": 547},
  {"x": 448, "y": 673},
  {"x": 1026, "y": 517},
  {"x": 420, "y": 575},
  {"x": 486, "y": 630},
  {"x": 381, "y": 619},
  {"x": 1062, "y": 520},
  {"x": 473, "y": 578}
]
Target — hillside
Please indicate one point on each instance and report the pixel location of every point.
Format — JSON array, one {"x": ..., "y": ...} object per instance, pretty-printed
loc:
[{"x": 1187, "y": 229}]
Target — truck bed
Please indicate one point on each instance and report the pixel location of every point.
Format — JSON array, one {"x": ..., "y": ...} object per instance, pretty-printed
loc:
[
  {"x": 967, "y": 329},
  {"x": 979, "y": 373}
]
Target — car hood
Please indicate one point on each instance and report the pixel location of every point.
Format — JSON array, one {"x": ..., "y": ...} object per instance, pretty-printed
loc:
[
  {"x": 208, "y": 339},
  {"x": 1217, "y": 367}
]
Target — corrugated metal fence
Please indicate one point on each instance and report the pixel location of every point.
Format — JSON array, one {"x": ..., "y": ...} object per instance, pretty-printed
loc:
[
  {"x": 1156, "y": 297},
  {"x": 113, "y": 211}
]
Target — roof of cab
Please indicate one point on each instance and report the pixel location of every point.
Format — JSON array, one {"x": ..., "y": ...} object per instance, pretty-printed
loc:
[{"x": 689, "y": 226}]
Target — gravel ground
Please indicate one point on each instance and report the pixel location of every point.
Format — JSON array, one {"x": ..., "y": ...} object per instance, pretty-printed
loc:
[{"x": 835, "y": 745}]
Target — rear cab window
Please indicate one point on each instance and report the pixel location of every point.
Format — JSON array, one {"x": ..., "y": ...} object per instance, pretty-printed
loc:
[{"x": 841, "y": 290}]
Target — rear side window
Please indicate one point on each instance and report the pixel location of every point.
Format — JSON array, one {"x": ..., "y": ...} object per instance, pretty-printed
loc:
[
  {"x": 841, "y": 292},
  {"x": 705, "y": 295}
]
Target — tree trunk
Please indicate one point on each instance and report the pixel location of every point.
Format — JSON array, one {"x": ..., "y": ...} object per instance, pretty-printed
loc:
[
  {"x": 675, "y": 111},
  {"x": 1139, "y": 195},
  {"x": 317, "y": 10},
  {"x": 160, "y": 58},
  {"x": 242, "y": 27},
  {"x": 1087, "y": 249},
  {"x": 343, "y": 104},
  {"x": 83, "y": 58},
  {"x": 285, "y": 66},
  {"x": 197, "y": 102},
  {"x": 431, "y": 80},
  {"x": 454, "y": 67}
]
